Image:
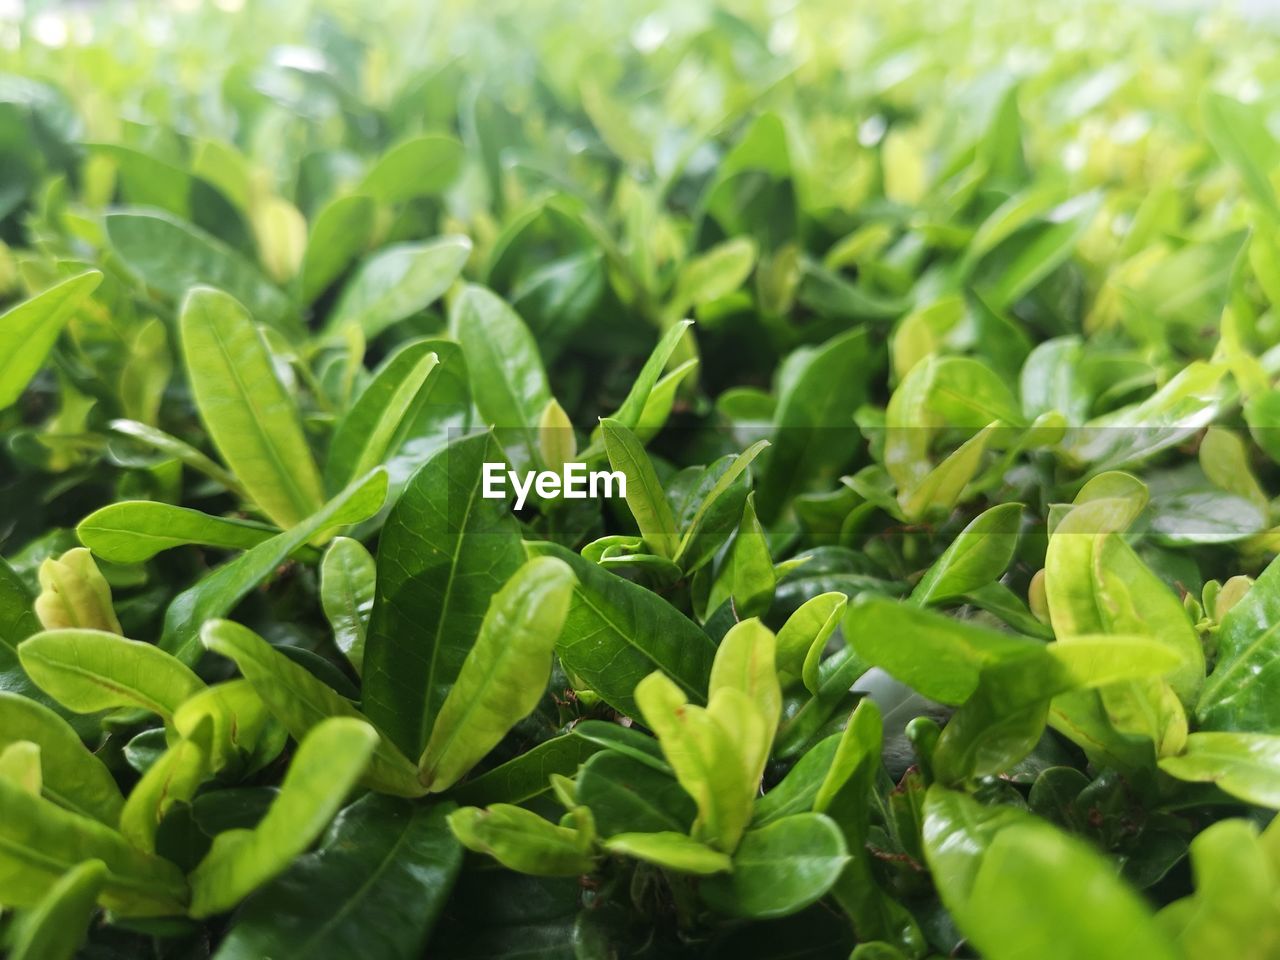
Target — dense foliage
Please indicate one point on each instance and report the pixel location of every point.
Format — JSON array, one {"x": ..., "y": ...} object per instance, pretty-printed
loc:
[{"x": 935, "y": 343}]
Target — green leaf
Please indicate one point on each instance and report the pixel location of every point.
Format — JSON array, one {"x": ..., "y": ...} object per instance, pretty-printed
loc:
[
  {"x": 521, "y": 840},
  {"x": 216, "y": 594},
  {"x": 714, "y": 274},
  {"x": 628, "y": 796},
  {"x": 71, "y": 776},
  {"x": 20, "y": 763},
  {"x": 672, "y": 851},
  {"x": 809, "y": 628},
  {"x": 1233, "y": 911},
  {"x": 618, "y": 632},
  {"x": 74, "y": 593},
  {"x": 624, "y": 740},
  {"x": 347, "y": 577},
  {"x": 243, "y": 732},
  {"x": 811, "y": 434},
  {"x": 173, "y": 778},
  {"x": 943, "y": 486},
  {"x": 364, "y": 437},
  {"x": 938, "y": 656},
  {"x": 91, "y": 670},
  {"x": 845, "y": 794},
  {"x": 645, "y": 497},
  {"x": 55, "y": 927},
  {"x": 444, "y": 551},
  {"x": 373, "y": 889},
  {"x": 29, "y": 330},
  {"x": 397, "y": 282},
  {"x": 745, "y": 661},
  {"x": 419, "y": 167},
  {"x": 527, "y": 775},
  {"x": 715, "y": 495},
  {"x": 339, "y": 232},
  {"x": 251, "y": 418},
  {"x": 40, "y": 842},
  {"x": 703, "y": 752},
  {"x": 1245, "y": 765},
  {"x": 1046, "y": 247},
  {"x": 978, "y": 555},
  {"x": 1001, "y": 873},
  {"x": 632, "y": 409},
  {"x": 302, "y": 703},
  {"x": 781, "y": 868},
  {"x": 329, "y": 760},
  {"x": 171, "y": 446},
  {"x": 747, "y": 574},
  {"x": 508, "y": 381},
  {"x": 173, "y": 256},
  {"x": 1240, "y": 693},
  {"x": 1238, "y": 131},
  {"x": 134, "y": 531},
  {"x": 505, "y": 673}
]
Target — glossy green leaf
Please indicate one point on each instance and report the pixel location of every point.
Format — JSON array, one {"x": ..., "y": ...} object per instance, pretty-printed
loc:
[
  {"x": 40, "y": 842},
  {"x": 811, "y": 436},
  {"x": 977, "y": 556},
  {"x": 704, "y": 753},
  {"x": 398, "y": 282},
  {"x": 252, "y": 419},
  {"x": 218, "y": 593},
  {"x": 173, "y": 256},
  {"x": 812, "y": 624},
  {"x": 301, "y": 702},
  {"x": 347, "y": 577},
  {"x": 632, "y": 408},
  {"x": 173, "y": 447},
  {"x": 71, "y": 776},
  {"x": 645, "y": 497},
  {"x": 522, "y": 840},
  {"x": 780, "y": 868},
  {"x": 1239, "y": 693},
  {"x": 624, "y": 740},
  {"x": 938, "y": 656},
  {"x": 243, "y": 735},
  {"x": 1245, "y": 765},
  {"x": 374, "y": 888},
  {"x": 29, "y": 330},
  {"x": 527, "y": 775},
  {"x": 91, "y": 670},
  {"x": 618, "y": 633},
  {"x": 987, "y": 860},
  {"x": 443, "y": 553},
  {"x": 338, "y": 233},
  {"x": 329, "y": 760},
  {"x": 508, "y": 381},
  {"x": 55, "y": 928},
  {"x": 418, "y": 167},
  {"x": 74, "y": 593},
  {"x": 505, "y": 673},
  {"x": 364, "y": 437},
  {"x": 173, "y": 778},
  {"x": 672, "y": 851},
  {"x": 133, "y": 531},
  {"x": 628, "y": 796}
]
